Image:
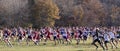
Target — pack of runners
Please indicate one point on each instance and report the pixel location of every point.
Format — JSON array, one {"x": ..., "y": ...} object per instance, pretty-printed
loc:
[{"x": 61, "y": 35}]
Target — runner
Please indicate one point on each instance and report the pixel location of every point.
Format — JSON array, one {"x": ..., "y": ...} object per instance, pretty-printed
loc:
[
  {"x": 20, "y": 35},
  {"x": 106, "y": 38},
  {"x": 29, "y": 35},
  {"x": 112, "y": 38},
  {"x": 96, "y": 38},
  {"x": 6, "y": 37}
]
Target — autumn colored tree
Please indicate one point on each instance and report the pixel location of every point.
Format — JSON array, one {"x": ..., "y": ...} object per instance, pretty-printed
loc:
[
  {"x": 39, "y": 13},
  {"x": 44, "y": 13},
  {"x": 71, "y": 12}
]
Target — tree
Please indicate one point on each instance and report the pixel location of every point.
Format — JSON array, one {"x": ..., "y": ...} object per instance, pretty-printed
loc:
[
  {"x": 112, "y": 10},
  {"x": 44, "y": 13},
  {"x": 71, "y": 12},
  {"x": 14, "y": 13}
]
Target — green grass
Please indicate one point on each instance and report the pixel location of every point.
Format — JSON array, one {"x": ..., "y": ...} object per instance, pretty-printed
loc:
[{"x": 51, "y": 47}]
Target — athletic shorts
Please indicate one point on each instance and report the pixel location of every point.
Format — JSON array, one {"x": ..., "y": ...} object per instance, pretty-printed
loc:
[
  {"x": 118, "y": 36},
  {"x": 96, "y": 40},
  {"x": 20, "y": 37},
  {"x": 58, "y": 36},
  {"x": 80, "y": 36},
  {"x": 65, "y": 37},
  {"x": 72, "y": 34},
  {"x": 29, "y": 37},
  {"x": 101, "y": 37},
  {"x": 106, "y": 42},
  {"x": 54, "y": 37},
  {"x": 24, "y": 35},
  {"x": 85, "y": 37},
  {"x": 112, "y": 39},
  {"x": 41, "y": 36},
  {"x": 61, "y": 32},
  {"x": 12, "y": 34}
]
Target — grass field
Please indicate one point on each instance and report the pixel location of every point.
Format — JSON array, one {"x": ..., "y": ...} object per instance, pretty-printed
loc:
[{"x": 51, "y": 47}]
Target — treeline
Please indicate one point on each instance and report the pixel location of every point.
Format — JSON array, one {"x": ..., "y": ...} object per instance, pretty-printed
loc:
[{"x": 39, "y": 13}]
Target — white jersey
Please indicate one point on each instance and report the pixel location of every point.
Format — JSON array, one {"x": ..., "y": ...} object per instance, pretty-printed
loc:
[
  {"x": 50, "y": 30},
  {"x": 64, "y": 32},
  {"x": 43, "y": 30},
  {"x": 30, "y": 32},
  {"x": 85, "y": 33},
  {"x": 111, "y": 35},
  {"x": 106, "y": 37},
  {"x": 94, "y": 36},
  {"x": 55, "y": 33}
]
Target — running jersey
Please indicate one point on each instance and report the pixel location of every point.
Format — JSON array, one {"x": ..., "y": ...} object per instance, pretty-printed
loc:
[
  {"x": 5, "y": 35},
  {"x": 80, "y": 32},
  {"x": 14, "y": 31},
  {"x": 54, "y": 33},
  {"x": 43, "y": 31},
  {"x": 62, "y": 31},
  {"x": 77, "y": 34},
  {"x": 106, "y": 37},
  {"x": 85, "y": 33},
  {"x": 36, "y": 35},
  {"x": 20, "y": 32},
  {"x": 64, "y": 34},
  {"x": 29, "y": 32},
  {"x": 50, "y": 30},
  {"x": 95, "y": 34},
  {"x": 111, "y": 34}
]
